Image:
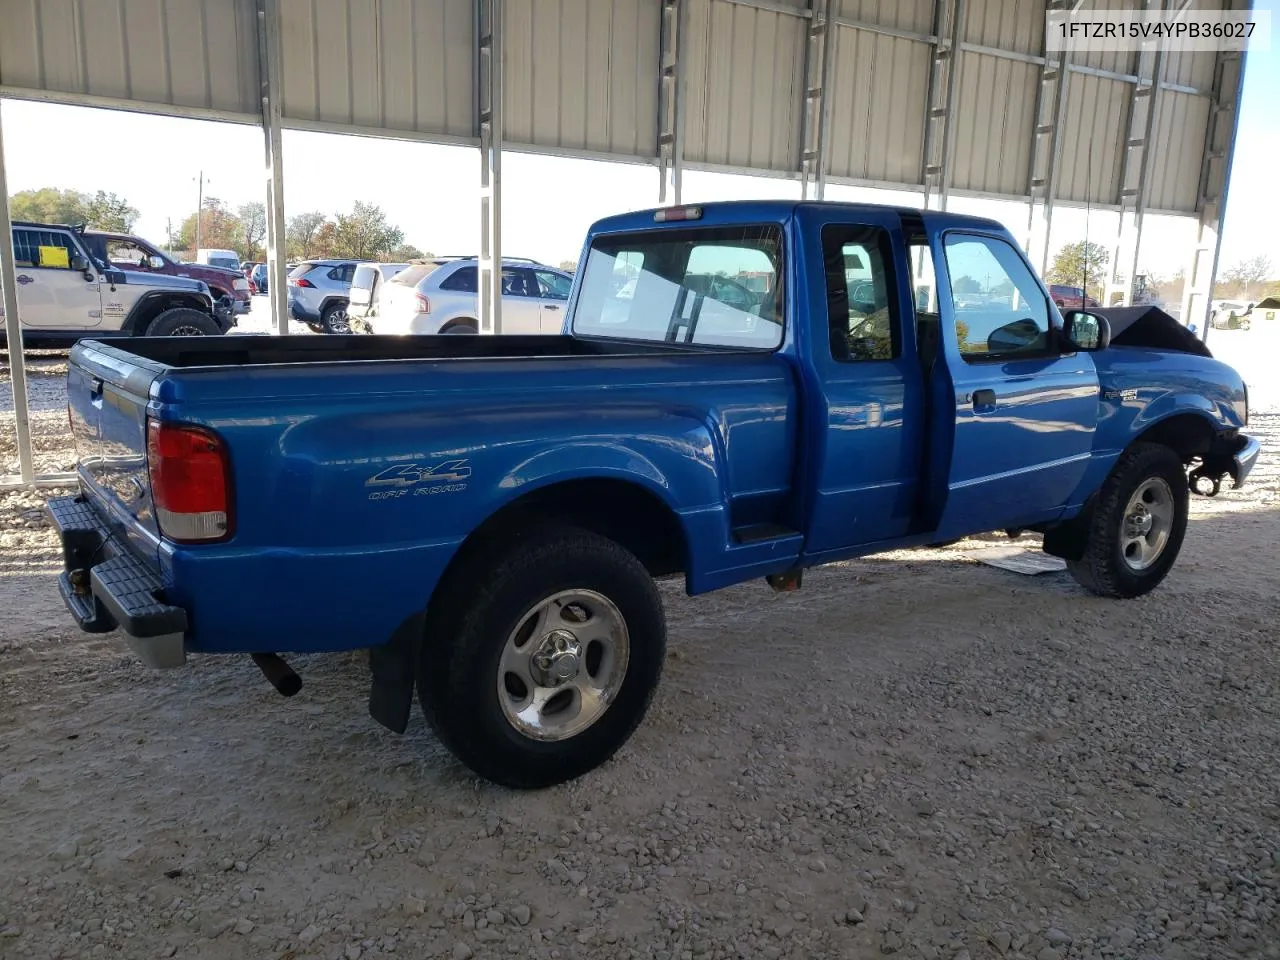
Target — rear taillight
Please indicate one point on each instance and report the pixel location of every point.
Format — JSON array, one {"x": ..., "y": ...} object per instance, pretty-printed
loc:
[
  {"x": 424, "y": 305},
  {"x": 190, "y": 482},
  {"x": 301, "y": 282}
]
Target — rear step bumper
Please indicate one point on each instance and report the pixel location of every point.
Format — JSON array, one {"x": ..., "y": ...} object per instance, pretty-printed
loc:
[{"x": 106, "y": 586}]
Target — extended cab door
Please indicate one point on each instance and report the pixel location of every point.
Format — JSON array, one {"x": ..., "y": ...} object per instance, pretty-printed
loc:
[
  {"x": 51, "y": 294},
  {"x": 1024, "y": 406}
]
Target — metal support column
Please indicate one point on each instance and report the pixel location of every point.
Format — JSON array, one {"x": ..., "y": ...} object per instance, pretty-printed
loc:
[
  {"x": 269, "y": 55},
  {"x": 819, "y": 55},
  {"x": 1135, "y": 169},
  {"x": 1215, "y": 175},
  {"x": 671, "y": 103},
  {"x": 939, "y": 130},
  {"x": 489, "y": 130},
  {"x": 13, "y": 328},
  {"x": 1051, "y": 111}
]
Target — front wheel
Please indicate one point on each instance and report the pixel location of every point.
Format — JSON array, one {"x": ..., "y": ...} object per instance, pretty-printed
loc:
[
  {"x": 1137, "y": 525},
  {"x": 183, "y": 322},
  {"x": 544, "y": 657}
]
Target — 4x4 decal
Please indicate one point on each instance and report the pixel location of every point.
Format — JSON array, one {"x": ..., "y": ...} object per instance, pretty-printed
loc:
[{"x": 448, "y": 476}]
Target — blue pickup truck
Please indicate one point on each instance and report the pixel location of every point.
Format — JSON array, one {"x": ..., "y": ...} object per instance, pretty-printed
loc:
[{"x": 741, "y": 391}]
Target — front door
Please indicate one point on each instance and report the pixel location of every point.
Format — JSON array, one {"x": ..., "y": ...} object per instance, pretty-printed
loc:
[
  {"x": 1024, "y": 410},
  {"x": 553, "y": 292},
  {"x": 870, "y": 401},
  {"x": 521, "y": 306},
  {"x": 52, "y": 295}
]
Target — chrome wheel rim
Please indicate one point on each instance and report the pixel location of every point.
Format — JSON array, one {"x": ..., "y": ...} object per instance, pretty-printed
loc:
[
  {"x": 338, "y": 320},
  {"x": 187, "y": 330},
  {"x": 563, "y": 665},
  {"x": 1147, "y": 523}
]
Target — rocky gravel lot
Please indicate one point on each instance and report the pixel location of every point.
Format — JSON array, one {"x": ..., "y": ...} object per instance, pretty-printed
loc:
[{"x": 915, "y": 756}]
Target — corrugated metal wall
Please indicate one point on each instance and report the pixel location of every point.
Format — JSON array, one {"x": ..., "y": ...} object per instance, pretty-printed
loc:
[
  {"x": 399, "y": 65},
  {"x": 1097, "y": 122},
  {"x": 1016, "y": 25},
  {"x": 199, "y": 54},
  {"x": 581, "y": 74},
  {"x": 993, "y": 131},
  {"x": 1175, "y": 179},
  {"x": 744, "y": 76}
]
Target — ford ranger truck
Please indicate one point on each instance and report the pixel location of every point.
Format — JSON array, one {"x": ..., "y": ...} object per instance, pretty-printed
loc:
[{"x": 741, "y": 391}]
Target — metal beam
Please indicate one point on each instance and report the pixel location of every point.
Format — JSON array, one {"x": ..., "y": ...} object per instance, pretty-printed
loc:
[
  {"x": 939, "y": 129},
  {"x": 1046, "y": 134},
  {"x": 671, "y": 102},
  {"x": 815, "y": 107},
  {"x": 269, "y": 58},
  {"x": 13, "y": 328},
  {"x": 1135, "y": 171},
  {"x": 1215, "y": 176},
  {"x": 489, "y": 131}
]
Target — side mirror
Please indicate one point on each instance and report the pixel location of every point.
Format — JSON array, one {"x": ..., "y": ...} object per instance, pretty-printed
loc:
[
  {"x": 1086, "y": 331},
  {"x": 157, "y": 263},
  {"x": 78, "y": 262}
]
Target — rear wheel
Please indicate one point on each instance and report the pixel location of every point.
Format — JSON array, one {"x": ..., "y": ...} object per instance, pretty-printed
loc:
[
  {"x": 183, "y": 322},
  {"x": 1137, "y": 526},
  {"x": 334, "y": 319},
  {"x": 543, "y": 658},
  {"x": 464, "y": 327}
]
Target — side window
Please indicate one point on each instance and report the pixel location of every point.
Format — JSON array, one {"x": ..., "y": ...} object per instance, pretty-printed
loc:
[
  {"x": 463, "y": 280},
  {"x": 924, "y": 293},
  {"x": 343, "y": 273},
  {"x": 46, "y": 249},
  {"x": 552, "y": 286},
  {"x": 1000, "y": 310},
  {"x": 515, "y": 283},
  {"x": 862, "y": 315},
  {"x": 125, "y": 254}
]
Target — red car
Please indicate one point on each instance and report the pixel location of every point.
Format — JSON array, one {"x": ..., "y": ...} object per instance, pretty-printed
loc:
[
  {"x": 1071, "y": 298},
  {"x": 134, "y": 253}
]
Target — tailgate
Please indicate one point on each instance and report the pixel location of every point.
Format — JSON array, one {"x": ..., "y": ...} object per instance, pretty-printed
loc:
[{"x": 107, "y": 393}]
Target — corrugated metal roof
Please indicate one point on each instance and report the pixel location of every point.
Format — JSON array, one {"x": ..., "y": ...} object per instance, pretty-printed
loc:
[
  {"x": 399, "y": 65},
  {"x": 995, "y": 114},
  {"x": 582, "y": 74},
  {"x": 1179, "y": 137},
  {"x": 744, "y": 81},
  {"x": 177, "y": 53},
  {"x": 879, "y": 88},
  {"x": 1096, "y": 126},
  {"x": 913, "y": 15},
  {"x": 1016, "y": 25}
]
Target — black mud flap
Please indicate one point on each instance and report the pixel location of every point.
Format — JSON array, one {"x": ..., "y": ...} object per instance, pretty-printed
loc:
[{"x": 394, "y": 666}]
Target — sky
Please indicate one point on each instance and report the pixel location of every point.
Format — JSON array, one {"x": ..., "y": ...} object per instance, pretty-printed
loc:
[{"x": 432, "y": 193}]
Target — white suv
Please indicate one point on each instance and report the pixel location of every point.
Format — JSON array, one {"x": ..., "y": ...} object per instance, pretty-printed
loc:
[
  {"x": 64, "y": 294},
  {"x": 440, "y": 296}
]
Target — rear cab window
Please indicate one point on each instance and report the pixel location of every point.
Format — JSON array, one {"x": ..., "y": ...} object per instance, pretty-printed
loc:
[{"x": 713, "y": 286}]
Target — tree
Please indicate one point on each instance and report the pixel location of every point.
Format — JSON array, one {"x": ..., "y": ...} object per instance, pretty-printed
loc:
[
  {"x": 101, "y": 211},
  {"x": 569, "y": 266},
  {"x": 253, "y": 230},
  {"x": 966, "y": 284},
  {"x": 365, "y": 234},
  {"x": 1247, "y": 273},
  {"x": 300, "y": 233},
  {"x": 1081, "y": 264},
  {"x": 219, "y": 228},
  {"x": 406, "y": 252}
]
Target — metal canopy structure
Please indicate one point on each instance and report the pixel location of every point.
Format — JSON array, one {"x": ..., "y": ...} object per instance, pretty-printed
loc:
[{"x": 938, "y": 97}]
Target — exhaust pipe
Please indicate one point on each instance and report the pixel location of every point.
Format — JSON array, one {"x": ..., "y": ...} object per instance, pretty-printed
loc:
[{"x": 279, "y": 673}]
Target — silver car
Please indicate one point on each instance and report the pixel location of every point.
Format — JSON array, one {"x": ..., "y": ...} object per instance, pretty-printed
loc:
[
  {"x": 440, "y": 296},
  {"x": 318, "y": 294},
  {"x": 365, "y": 295}
]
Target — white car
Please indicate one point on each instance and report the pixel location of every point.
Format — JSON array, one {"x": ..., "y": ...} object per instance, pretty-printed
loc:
[
  {"x": 441, "y": 296},
  {"x": 365, "y": 293},
  {"x": 64, "y": 294}
]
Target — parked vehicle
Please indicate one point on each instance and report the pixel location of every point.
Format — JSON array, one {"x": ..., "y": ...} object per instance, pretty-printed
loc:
[
  {"x": 1071, "y": 297},
  {"x": 488, "y": 514},
  {"x": 1231, "y": 314},
  {"x": 133, "y": 253},
  {"x": 440, "y": 296},
  {"x": 227, "y": 259},
  {"x": 319, "y": 294},
  {"x": 260, "y": 277},
  {"x": 365, "y": 294},
  {"x": 65, "y": 293}
]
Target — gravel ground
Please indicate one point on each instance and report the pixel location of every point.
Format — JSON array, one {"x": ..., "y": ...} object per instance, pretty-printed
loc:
[{"x": 1012, "y": 768}]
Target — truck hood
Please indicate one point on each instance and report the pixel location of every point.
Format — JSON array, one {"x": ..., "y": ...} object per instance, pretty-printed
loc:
[{"x": 159, "y": 281}]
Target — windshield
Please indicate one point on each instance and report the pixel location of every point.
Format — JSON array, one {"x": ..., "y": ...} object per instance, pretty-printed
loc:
[
  {"x": 717, "y": 286},
  {"x": 230, "y": 263},
  {"x": 414, "y": 272},
  {"x": 363, "y": 280}
]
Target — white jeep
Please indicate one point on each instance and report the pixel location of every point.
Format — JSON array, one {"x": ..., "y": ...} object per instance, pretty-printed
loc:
[{"x": 64, "y": 294}]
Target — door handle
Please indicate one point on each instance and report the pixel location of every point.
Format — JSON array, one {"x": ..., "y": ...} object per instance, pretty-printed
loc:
[
  {"x": 551, "y": 306},
  {"x": 984, "y": 400}
]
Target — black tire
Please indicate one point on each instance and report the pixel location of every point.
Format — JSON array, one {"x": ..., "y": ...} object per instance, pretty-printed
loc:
[
  {"x": 459, "y": 328},
  {"x": 486, "y": 598},
  {"x": 315, "y": 327},
  {"x": 183, "y": 322},
  {"x": 1103, "y": 568},
  {"x": 333, "y": 319}
]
